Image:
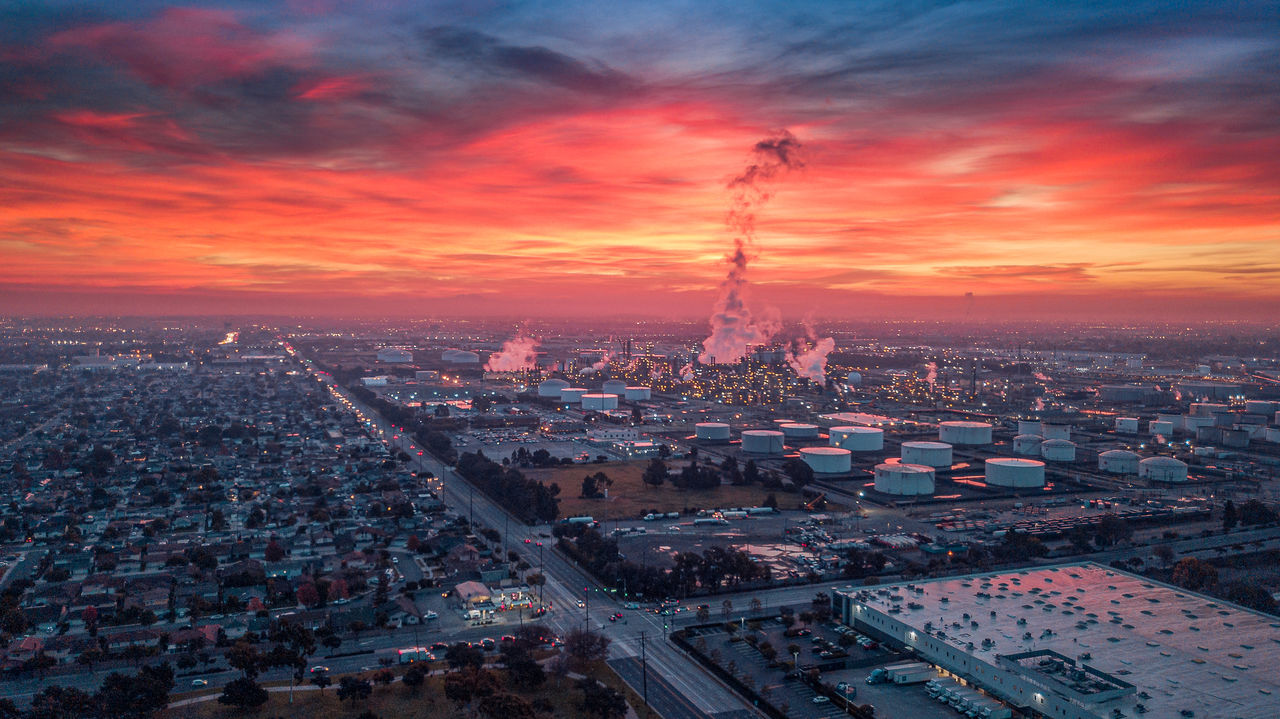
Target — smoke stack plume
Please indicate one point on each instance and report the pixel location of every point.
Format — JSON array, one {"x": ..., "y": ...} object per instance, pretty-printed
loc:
[
  {"x": 811, "y": 361},
  {"x": 517, "y": 354},
  {"x": 733, "y": 326}
]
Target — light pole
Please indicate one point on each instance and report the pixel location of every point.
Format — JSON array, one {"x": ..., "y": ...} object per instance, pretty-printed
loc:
[
  {"x": 541, "y": 573},
  {"x": 644, "y": 676}
]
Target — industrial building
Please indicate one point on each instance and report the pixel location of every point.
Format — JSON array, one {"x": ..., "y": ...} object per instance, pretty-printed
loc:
[{"x": 1081, "y": 641}]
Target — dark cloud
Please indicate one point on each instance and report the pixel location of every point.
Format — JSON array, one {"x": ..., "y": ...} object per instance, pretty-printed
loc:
[{"x": 485, "y": 54}]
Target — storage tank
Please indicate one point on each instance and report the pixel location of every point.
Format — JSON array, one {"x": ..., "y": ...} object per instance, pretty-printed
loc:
[
  {"x": 1208, "y": 409},
  {"x": 827, "y": 460},
  {"x": 1027, "y": 444},
  {"x": 1271, "y": 434},
  {"x": 1013, "y": 472},
  {"x": 1058, "y": 450},
  {"x": 965, "y": 432},
  {"x": 857, "y": 439},
  {"x": 904, "y": 479},
  {"x": 1260, "y": 406},
  {"x": 635, "y": 394},
  {"x": 1127, "y": 425},
  {"x": 1159, "y": 427},
  {"x": 796, "y": 430},
  {"x": 552, "y": 388},
  {"x": 762, "y": 441},
  {"x": 572, "y": 395},
  {"x": 1057, "y": 431},
  {"x": 927, "y": 454},
  {"x": 711, "y": 432},
  {"x": 1118, "y": 461},
  {"x": 460, "y": 357},
  {"x": 614, "y": 386},
  {"x": 1163, "y": 469},
  {"x": 1029, "y": 426},
  {"x": 853, "y": 378},
  {"x": 1193, "y": 424},
  {"x": 599, "y": 401}
]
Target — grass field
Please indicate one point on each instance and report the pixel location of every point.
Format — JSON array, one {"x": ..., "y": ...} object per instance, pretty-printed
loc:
[
  {"x": 630, "y": 498},
  {"x": 397, "y": 702}
]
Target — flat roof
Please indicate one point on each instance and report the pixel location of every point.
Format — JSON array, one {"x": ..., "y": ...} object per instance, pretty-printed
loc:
[{"x": 1185, "y": 650}]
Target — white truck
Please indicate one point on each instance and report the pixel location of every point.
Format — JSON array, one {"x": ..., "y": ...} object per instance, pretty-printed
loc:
[{"x": 909, "y": 673}]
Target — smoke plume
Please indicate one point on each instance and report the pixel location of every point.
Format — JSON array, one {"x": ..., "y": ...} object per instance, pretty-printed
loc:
[
  {"x": 597, "y": 366},
  {"x": 517, "y": 354},
  {"x": 733, "y": 326},
  {"x": 811, "y": 360}
]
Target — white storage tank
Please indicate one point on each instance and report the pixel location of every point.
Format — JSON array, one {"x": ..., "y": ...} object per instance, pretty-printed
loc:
[
  {"x": 1271, "y": 434},
  {"x": 614, "y": 386},
  {"x": 1056, "y": 431},
  {"x": 1208, "y": 409},
  {"x": 1127, "y": 425},
  {"x": 904, "y": 479},
  {"x": 552, "y": 388},
  {"x": 927, "y": 454},
  {"x": 1118, "y": 461},
  {"x": 711, "y": 432},
  {"x": 572, "y": 395},
  {"x": 796, "y": 430},
  {"x": 599, "y": 401},
  {"x": 1160, "y": 427},
  {"x": 1029, "y": 426},
  {"x": 1027, "y": 444},
  {"x": 1163, "y": 469},
  {"x": 965, "y": 432},
  {"x": 827, "y": 460},
  {"x": 1193, "y": 424},
  {"x": 853, "y": 378},
  {"x": 1058, "y": 450},
  {"x": 857, "y": 439},
  {"x": 1013, "y": 472},
  {"x": 762, "y": 441},
  {"x": 460, "y": 357},
  {"x": 635, "y": 394}
]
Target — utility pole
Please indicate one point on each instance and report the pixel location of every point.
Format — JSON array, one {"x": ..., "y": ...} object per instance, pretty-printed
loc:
[{"x": 644, "y": 675}]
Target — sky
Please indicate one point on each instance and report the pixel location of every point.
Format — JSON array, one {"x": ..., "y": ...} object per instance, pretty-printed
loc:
[{"x": 557, "y": 158}]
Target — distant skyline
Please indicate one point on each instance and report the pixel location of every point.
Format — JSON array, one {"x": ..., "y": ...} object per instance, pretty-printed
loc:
[{"x": 565, "y": 159}]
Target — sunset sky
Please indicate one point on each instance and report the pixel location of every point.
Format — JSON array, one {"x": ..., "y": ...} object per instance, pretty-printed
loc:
[{"x": 571, "y": 158}]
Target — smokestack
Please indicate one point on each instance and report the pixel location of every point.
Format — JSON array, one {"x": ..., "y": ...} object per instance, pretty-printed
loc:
[{"x": 733, "y": 326}]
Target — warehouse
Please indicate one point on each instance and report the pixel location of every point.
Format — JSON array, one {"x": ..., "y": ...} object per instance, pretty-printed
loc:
[{"x": 1081, "y": 641}]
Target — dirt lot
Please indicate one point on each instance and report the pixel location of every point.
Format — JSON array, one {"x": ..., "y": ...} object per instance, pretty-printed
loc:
[{"x": 631, "y": 498}]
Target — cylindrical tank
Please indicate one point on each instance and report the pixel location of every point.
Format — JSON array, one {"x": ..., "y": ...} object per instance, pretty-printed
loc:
[
  {"x": 614, "y": 386},
  {"x": 1012, "y": 472},
  {"x": 1118, "y": 461},
  {"x": 796, "y": 430},
  {"x": 827, "y": 460},
  {"x": 927, "y": 454},
  {"x": 1027, "y": 444},
  {"x": 1028, "y": 426},
  {"x": 1058, "y": 450},
  {"x": 1271, "y": 434},
  {"x": 599, "y": 401},
  {"x": 1208, "y": 409},
  {"x": 1260, "y": 406},
  {"x": 904, "y": 479},
  {"x": 572, "y": 395},
  {"x": 1203, "y": 370},
  {"x": 637, "y": 393},
  {"x": 1158, "y": 427},
  {"x": 857, "y": 438},
  {"x": 711, "y": 432},
  {"x": 1127, "y": 425},
  {"x": 1057, "y": 431},
  {"x": 762, "y": 441},
  {"x": 965, "y": 432},
  {"x": 1163, "y": 469},
  {"x": 1193, "y": 424},
  {"x": 552, "y": 388},
  {"x": 853, "y": 378}
]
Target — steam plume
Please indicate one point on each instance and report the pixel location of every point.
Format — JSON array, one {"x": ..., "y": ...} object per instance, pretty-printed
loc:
[
  {"x": 597, "y": 366},
  {"x": 733, "y": 326},
  {"x": 518, "y": 353},
  {"x": 811, "y": 362}
]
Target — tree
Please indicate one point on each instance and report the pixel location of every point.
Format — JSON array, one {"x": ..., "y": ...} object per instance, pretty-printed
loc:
[
  {"x": 1194, "y": 574},
  {"x": 415, "y": 677},
  {"x": 59, "y": 702},
  {"x": 506, "y": 706},
  {"x": 523, "y": 671},
  {"x": 245, "y": 657},
  {"x": 655, "y": 474},
  {"x": 1250, "y": 595},
  {"x": 1255, "y": 512},
  {"x": 600, "y": 701},
  {"x": 244, "y": 694},
  {"x": 771, "y": 501},
  {"x": 584, "y": 646},
  {"x": 704, "y": 614},
  {"x": 332, "y": 642},
  {"x": 384, "y": 676},
  {"x": 750, "y": 472},
  {"x": 353, "y": 689},
  {"x": 273, "y": 552},
  {"x": 799, "y": 472},
  {"x": 1165, "y": 554},
  {"x": 308, "y": 595},
  {"x": 1111, "y": 530},
  {"x": 138, "y": 696},
  {"x": 90, "y": 617},
  {"x": 462, "y": 655},
  {"x": 469, "y": 684},
  {"x": 321, "y": 680}
]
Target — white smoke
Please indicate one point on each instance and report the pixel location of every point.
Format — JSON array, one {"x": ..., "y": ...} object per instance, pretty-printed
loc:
[
  {"x": 811, "y": 361},
  {"x": 932, "y": 377},
  {"x": 733, "y": 326},
  {"x": 517, "y": 354},
  {"x": 597, "y": 366}
]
